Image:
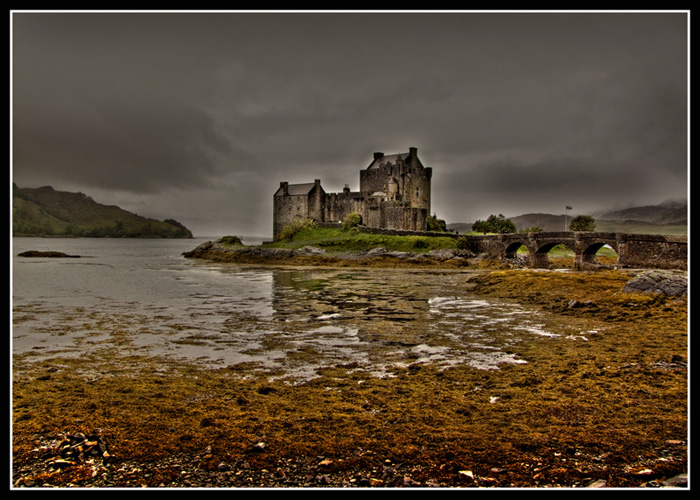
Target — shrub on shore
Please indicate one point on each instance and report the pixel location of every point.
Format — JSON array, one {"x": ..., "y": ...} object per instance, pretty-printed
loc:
[
  {"x": 297, "y": 225},
  {"x": 230, "y": 240},
  {"x": 351, "y": 221}
]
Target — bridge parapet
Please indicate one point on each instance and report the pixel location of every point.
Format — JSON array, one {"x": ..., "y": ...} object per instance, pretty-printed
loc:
[{"x": 650, "y": 250}]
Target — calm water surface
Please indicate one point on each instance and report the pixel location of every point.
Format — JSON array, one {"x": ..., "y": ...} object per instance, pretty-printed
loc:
[{"x": 141, "y": 297}]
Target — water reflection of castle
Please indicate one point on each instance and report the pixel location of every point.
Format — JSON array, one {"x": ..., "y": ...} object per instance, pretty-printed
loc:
[
  {"x": 394, "y": 194},
  {"x": 376, "y": 321},
  {"x": 351, "y": 298}
]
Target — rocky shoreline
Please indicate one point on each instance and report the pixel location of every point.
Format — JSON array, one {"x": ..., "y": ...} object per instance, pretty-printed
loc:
[
  {"x": 196, "y": 471},
  {"x": 312, "y": 255}
]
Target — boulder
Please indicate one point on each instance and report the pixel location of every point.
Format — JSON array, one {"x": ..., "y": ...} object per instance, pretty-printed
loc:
[
  {"x": 309, "y": 250},
  {"x": 672, "y": 284}
]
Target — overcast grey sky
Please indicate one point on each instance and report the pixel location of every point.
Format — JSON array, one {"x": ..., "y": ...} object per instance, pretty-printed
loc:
[{"x": 199, "y": 116}]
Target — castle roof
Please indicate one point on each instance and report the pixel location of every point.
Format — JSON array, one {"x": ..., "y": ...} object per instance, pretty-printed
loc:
[
  {"x": 389, "y": 159},
  {"x": 407, "y": 158},
  {"x": 296, "y": 189}
]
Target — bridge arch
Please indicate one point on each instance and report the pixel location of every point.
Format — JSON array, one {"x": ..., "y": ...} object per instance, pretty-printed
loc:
[
  {"x": 512, "y": 248},
  {"x": 593, "y": 249},
  {"x": 545, "y": 248},
  {"x": 588, "y": 246},
  {"x": 589, "y": 255},
  {"x": 540, "y": 258}
]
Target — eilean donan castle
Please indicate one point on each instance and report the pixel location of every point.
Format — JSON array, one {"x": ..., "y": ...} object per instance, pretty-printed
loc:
[{"x": 394, "y": 194}]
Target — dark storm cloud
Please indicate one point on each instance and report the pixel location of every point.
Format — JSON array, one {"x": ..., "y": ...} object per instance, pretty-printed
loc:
[
  {"x": 99, "y": 101},
  {"x": 512, "y": 111}
]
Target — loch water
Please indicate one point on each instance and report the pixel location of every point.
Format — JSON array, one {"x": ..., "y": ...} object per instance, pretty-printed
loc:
[{"x": 141, "y": 297}]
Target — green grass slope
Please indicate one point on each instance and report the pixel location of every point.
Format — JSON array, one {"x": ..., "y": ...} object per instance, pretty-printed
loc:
[{"x": 342, "y": 240}]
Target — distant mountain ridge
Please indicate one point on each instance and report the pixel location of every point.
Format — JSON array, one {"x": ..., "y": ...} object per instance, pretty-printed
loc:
[
  {"x": 655, "y": 214},
  {"x": 665, "y": 218},
  {"x": 44, "y": 211}
]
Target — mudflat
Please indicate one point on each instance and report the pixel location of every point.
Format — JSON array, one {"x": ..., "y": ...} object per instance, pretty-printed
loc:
[{"x": 608, "y": 410}]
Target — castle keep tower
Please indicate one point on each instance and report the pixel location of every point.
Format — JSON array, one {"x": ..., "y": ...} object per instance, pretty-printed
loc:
[
  {"x": 394, "y": 194},
  {"x": 401, "y": 185}
]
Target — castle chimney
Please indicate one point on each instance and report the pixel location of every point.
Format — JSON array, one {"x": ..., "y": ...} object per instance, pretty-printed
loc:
[
  {"x": 414, "y": 156},
  {"x": 378, "y": 155},
  {"x": 285, "y": 187}
]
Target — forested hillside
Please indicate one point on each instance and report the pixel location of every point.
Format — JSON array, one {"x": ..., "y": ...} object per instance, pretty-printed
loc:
[{"x": 46, "y": 212}]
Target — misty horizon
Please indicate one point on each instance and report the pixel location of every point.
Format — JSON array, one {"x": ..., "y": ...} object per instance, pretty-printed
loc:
[{"x": 263, "y": 236}]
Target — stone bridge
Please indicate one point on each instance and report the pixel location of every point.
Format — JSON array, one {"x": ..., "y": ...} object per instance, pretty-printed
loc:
[{"x": 633, "y": 250}]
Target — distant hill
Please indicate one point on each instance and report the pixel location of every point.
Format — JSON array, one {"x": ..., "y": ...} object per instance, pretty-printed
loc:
[
  {"x": 46, "y": 212},
  {"x": 546, "y": 222},
  {"x": 654, "y": 214},
  {"x": 669, "y": 218}
]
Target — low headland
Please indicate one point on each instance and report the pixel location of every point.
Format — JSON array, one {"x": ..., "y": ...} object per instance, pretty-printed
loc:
[{"x": 608, "y": 410}]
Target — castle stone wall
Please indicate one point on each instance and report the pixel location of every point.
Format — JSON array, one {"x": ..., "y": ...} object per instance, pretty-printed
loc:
[
  {"x": 408, "y": 218},
  {"x": 288, "y": 208}
]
